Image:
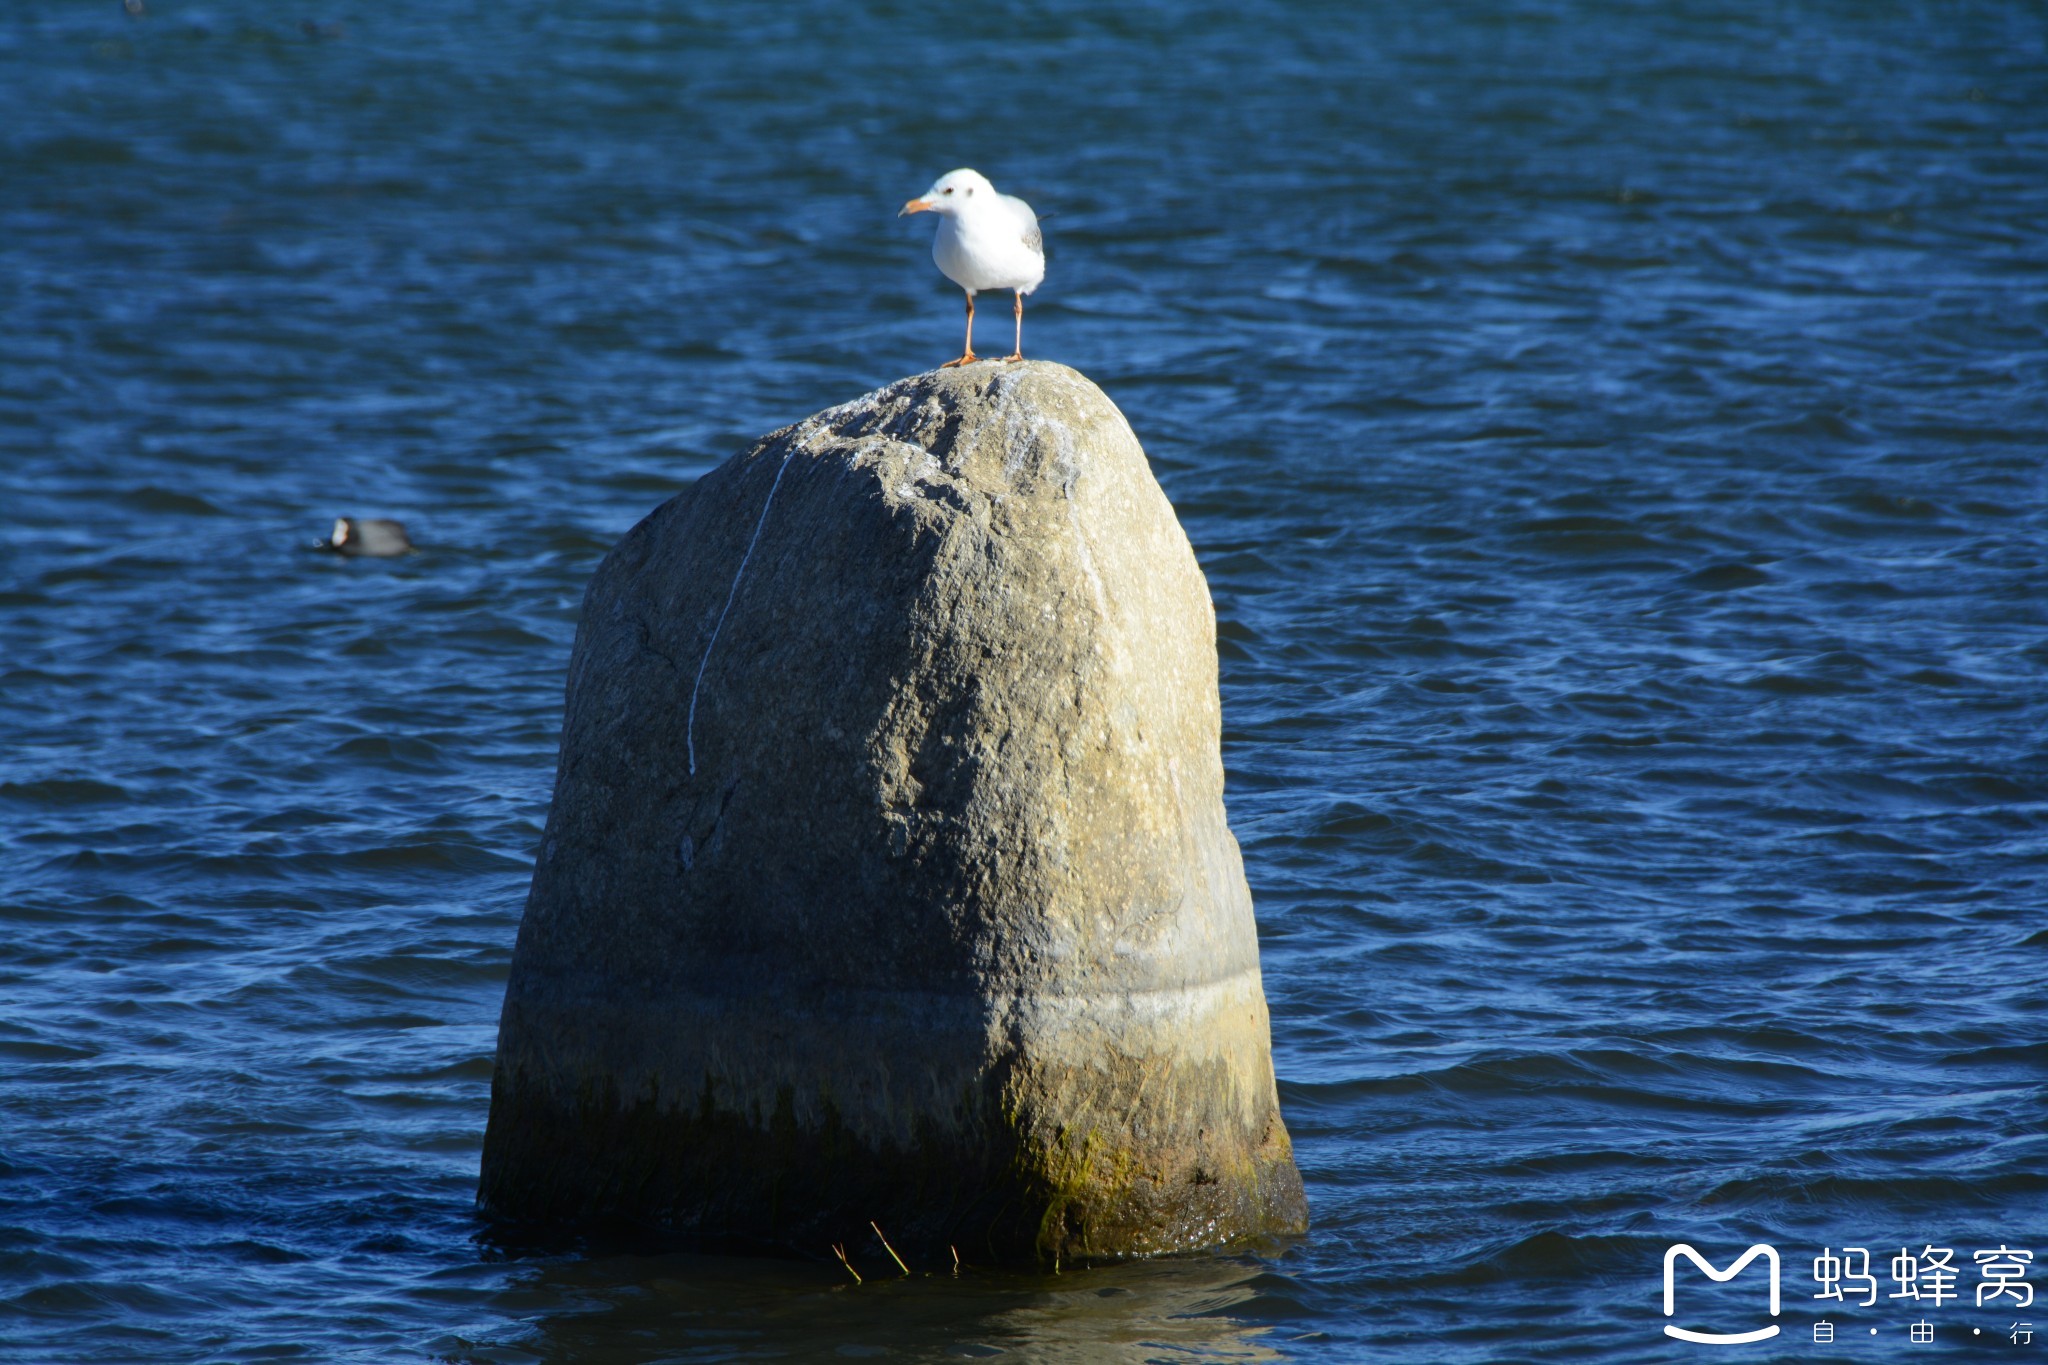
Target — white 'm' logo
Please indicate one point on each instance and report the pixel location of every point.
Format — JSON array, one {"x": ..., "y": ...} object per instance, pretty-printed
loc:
[{"x": 1678, "y": 1249}]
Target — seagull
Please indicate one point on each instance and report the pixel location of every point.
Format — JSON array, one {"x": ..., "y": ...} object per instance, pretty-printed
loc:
[{"x": 985, "y": 240}]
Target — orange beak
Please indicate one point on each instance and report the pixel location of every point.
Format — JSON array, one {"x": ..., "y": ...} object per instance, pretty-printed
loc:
[{"x": 918, "y": 206}]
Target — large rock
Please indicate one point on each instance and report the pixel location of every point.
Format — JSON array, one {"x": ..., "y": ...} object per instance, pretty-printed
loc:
[{"x": 887, "y": 875}]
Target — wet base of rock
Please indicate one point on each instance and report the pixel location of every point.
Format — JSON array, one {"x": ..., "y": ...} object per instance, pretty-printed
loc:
[{"x": 722, "y": 1181}]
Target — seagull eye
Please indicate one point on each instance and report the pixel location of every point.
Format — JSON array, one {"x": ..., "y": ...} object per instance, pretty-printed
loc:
[{"x": 949, "y": 191}]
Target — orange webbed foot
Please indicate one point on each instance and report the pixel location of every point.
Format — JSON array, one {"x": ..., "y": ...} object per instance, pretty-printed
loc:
[{"x": 967, "y": 359}]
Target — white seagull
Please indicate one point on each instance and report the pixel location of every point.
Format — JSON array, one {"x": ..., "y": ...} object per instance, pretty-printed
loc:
[{"x": 985, "y": 240}]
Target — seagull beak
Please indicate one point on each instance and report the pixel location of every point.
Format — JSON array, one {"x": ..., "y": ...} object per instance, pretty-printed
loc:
[{"x": 918, "y": 206}]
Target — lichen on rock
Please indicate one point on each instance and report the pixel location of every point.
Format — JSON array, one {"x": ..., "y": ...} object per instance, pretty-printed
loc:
[{"x": 887, "y": 875}]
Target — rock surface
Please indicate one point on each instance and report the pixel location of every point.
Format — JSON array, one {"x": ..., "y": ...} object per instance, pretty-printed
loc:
[{"x": 887, "y": 875}]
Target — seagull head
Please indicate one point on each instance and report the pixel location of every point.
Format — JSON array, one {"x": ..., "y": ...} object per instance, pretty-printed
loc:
[{"x": 953, "y": 192}]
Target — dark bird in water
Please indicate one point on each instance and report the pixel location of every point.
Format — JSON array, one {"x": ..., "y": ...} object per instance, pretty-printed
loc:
[{"x": 375, "y": 537}]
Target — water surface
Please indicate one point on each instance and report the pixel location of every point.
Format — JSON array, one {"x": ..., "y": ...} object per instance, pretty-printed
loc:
[{"x": 1614, "y": 436}]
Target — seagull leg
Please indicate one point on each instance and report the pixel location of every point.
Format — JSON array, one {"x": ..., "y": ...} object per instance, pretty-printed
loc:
[
  {"x": 1018, "y": 354},
  {"x": 968, "y": 356}
]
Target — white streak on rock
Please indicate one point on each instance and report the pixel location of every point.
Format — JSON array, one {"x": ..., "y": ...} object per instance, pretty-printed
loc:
[{"x": 690, "y": 726}]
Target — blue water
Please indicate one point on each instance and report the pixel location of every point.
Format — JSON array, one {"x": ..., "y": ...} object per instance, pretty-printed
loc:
[{"x": 1615, "y": 436}]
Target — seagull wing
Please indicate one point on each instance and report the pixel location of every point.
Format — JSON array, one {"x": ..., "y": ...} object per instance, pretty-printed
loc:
[{"x": 1028, "y": 221}]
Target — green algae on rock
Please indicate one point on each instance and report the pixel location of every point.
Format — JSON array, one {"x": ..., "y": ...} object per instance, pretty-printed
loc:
[{"x": 887, "y": 875}]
